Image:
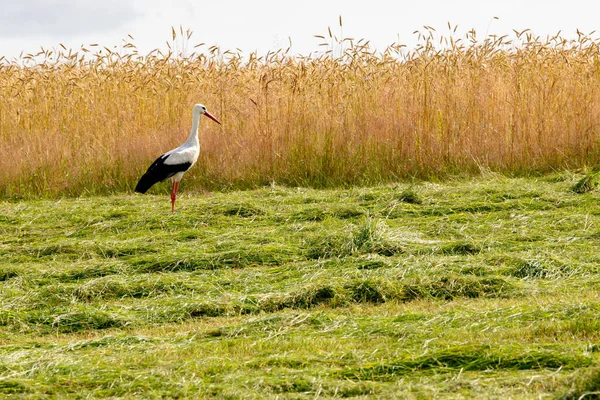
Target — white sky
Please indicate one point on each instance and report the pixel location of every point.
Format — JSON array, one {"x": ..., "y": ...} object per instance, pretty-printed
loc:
[{"x": 264, "y": 25}]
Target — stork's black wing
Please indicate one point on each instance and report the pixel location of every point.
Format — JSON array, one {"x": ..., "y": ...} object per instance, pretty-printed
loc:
[{"x": 158, "y": 172}]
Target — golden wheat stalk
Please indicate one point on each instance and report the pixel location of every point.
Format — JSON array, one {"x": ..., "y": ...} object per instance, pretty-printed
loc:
[{"x": 89, "y": 121}]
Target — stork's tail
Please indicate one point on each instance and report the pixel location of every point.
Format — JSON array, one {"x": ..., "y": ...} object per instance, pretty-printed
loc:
[{"x": 145, "y": 183}]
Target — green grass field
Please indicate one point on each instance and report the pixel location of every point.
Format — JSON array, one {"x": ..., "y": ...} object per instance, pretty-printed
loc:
[{"x": 484, "y": 288}]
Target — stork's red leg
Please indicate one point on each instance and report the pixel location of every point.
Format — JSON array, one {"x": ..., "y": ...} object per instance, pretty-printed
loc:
[{"x": 173, "y": 196}]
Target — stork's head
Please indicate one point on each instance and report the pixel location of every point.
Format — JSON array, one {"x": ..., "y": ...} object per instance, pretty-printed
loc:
[{"x": 200, "y": 109}]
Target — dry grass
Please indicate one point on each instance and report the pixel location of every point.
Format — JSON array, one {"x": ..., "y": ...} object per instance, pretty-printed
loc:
[{"x": 91, "y": 121}]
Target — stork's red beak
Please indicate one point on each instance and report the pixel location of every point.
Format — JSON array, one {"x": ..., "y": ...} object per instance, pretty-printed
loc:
[{"x": 209, "y": 115}]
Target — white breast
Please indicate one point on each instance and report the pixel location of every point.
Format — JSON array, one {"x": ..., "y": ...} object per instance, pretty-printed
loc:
[{"x": 182, "y": 155}]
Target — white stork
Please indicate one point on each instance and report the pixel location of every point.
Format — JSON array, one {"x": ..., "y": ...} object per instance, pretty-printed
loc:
[{"x": 173, "y": 164}]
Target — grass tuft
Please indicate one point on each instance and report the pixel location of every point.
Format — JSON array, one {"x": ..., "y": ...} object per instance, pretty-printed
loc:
[
  {"x": 409, "y": 196},
  {"x": 586, "y": 184}
]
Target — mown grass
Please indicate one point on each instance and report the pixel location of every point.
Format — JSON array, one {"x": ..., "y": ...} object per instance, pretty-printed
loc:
[
  {"x": 90, "y": 120},
  {"x": 482, "y": 288}
]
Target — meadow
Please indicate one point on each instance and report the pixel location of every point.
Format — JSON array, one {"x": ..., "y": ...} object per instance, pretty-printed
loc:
[
  {"x": 400, "y": 224},
  {"x": 478, "y": 288}
]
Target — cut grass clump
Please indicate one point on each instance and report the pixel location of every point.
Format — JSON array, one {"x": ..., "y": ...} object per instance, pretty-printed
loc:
[
  {"x": 530, "y": 269},
  {"x": 537, "y": 269},
  {"x": 409, "y": 196},
  {"x": 66, "y": 251},
  {"x": 452, "y": 286},
  {"x": 7, "y": 273},
  {"x": 584, "y": 326},
  {"x": 367, "y": 292},
  {"x": 110, "y": 341},
  {"x": 205, "y": 310},
  {"x": 85, "y": 320},
  {"x": 111, "y": 287},
  {"x": 470, "y": 358},
  {"x": 347, "y": 212},
  {"x": 334, "y": 389},
  {"x": 254, "y": 255},
  {"x": 118, "y": 251},
  {"x": 328, "y": 246},
  {"x": 306, "y": 298},
  {"x": 556, "y": 177},
  {"x": 585, "y": 386},
  {"x": 368, "y": 237},
  {"x": 177, "y": 313},
  {"x": 297, "y": 385},
  {"x": 317, "y": 214},
  {"x": 586, "y": 184},
  {"x": 378, "y": 291},
  {"x": 241, "y": 210},
  {"x": 86, "y": 272},
  {"x": 8, "y": 317},
  {"x": 170, "y": 263},
  {"x": 13, "y": 387},
  {"x": 372, "y": 264},
  {"x": 460, "y": 248}
]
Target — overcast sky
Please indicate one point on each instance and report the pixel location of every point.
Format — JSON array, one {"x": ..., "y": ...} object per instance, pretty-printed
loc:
[{"x": 264, "y": 25}]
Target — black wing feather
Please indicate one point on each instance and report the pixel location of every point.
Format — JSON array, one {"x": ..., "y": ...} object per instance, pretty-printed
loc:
[{"x": 158, "y": 172}]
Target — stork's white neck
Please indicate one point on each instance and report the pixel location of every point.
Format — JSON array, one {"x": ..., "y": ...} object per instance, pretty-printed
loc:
[{"x": 192, "y": 140}]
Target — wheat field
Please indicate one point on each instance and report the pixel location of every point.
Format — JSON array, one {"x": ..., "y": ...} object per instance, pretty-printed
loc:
[{"x": 89, "y": 121}]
